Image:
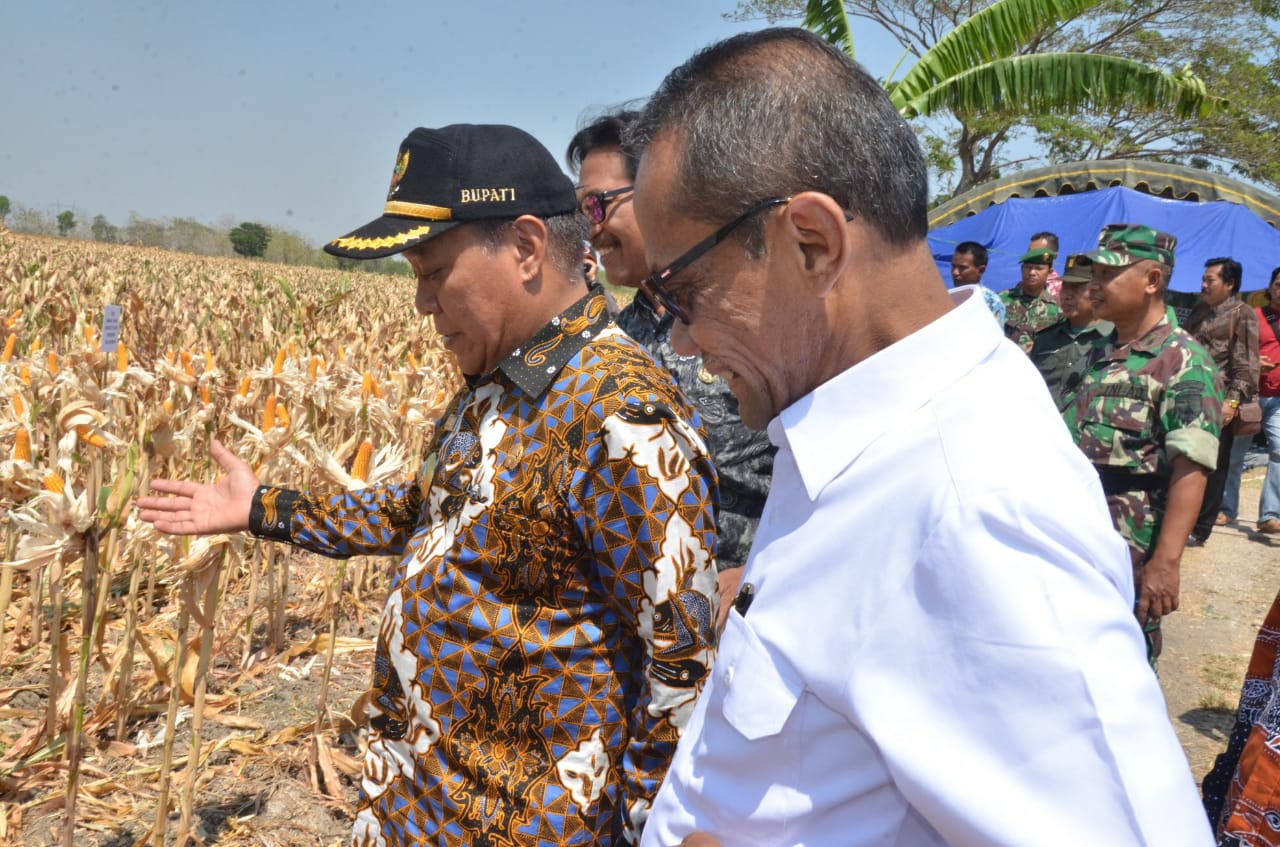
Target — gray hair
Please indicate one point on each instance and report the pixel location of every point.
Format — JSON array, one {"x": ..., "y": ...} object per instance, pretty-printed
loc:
[
  {"x": 779, "y": 111},
  {"x": 565, "y": 235}
]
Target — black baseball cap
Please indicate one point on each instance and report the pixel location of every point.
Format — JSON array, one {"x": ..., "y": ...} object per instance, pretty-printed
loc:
[{"x": 456, "y": 174}]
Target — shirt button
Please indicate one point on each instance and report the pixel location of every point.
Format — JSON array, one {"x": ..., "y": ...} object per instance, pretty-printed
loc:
[{"x": 728, "y": 675}]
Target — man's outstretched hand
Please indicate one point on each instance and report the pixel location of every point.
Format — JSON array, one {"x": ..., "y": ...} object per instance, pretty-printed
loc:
[{"x": 202, "y": 508}]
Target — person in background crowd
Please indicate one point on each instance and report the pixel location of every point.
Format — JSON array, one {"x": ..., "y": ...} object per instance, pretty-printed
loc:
[
  {"x": 1269, "y": 399},
  {"x": 1228, "y": 329},
  {"x": 968, "y": 264},
  {"x": 934, "y": 642},
  {"x": 1048, "y": 241},
  {"x": 1148, "y": 413},
  {"x": 550, "y": 622},
  {"x": 590, "y": 270},
  {"x": 1062, "y": 352},
  {"x": 743, "y": 458},
  {"x": 1028, "y": 307}
]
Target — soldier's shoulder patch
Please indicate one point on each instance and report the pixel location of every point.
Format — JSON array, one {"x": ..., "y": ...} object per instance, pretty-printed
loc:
[{"x": 1187, "y": 397}]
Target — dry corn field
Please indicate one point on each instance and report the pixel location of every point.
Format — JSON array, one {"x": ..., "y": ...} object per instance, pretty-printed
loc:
[{"x": 158, "y": 690}]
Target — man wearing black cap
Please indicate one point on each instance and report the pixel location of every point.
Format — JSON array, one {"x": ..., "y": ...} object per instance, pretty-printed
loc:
[{"x": 551, "y": 620}]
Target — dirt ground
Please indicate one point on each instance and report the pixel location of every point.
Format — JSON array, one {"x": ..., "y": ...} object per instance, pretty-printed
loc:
[{"x": 1227, "y": 587}]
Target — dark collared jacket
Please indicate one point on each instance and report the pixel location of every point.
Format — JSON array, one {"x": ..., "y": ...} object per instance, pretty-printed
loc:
[{"x": 743, "y": 457}]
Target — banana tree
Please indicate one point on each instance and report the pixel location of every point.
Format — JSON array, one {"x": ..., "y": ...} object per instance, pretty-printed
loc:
[{"x": 983, "y": 68}]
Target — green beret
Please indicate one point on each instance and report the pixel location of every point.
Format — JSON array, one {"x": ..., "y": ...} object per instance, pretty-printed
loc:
[{"x": 1038, "y": 256}]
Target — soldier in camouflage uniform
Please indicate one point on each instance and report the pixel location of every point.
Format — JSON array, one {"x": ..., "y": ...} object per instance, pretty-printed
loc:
[
  {"x": 1063, "y": 351},
  {"x": 1028, "y": 306},
  {"x": 1147, "y": 414}
]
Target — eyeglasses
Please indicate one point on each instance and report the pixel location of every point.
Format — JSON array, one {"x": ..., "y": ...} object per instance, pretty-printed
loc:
[
  {"x": 655, "y": 287},
  {"x": 595, "y": 205}
]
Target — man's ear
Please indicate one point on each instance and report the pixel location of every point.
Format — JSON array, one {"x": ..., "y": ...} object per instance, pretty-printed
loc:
[
  {"x": 1155, "y": 279},
  {"x": 815, "y": 225},
  {"x": 529, "y": 236}
]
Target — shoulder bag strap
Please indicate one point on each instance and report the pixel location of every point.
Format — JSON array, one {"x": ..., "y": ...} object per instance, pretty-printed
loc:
[{"x": 1273, "y": 319}]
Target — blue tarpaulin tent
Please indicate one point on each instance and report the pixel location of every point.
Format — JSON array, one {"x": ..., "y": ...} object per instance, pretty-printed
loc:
[{"x": 1205, "y": 230}]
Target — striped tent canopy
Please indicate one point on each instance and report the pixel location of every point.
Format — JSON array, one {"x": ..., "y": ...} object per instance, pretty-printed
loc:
[
  {"x": 1173, "y": 182},
  {"x": 1211, "y": 215}
]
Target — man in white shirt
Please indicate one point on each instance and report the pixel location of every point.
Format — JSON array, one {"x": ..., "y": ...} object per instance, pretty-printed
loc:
[{"x": 934, "y": 641}]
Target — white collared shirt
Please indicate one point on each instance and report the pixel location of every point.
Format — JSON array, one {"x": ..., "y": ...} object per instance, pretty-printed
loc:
[{"x": 941, "y": 647}]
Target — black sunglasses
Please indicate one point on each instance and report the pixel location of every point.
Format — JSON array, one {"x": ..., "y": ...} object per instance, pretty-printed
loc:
[
  {"x": 655, "y": 286},
  {"x": 595, "y": 205}
]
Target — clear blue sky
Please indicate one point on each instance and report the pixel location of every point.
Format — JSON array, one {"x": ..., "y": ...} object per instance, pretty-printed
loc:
[{"x": 290, "y": 113}]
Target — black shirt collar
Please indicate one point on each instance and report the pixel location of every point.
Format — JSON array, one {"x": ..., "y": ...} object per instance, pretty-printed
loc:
[{"x": 533, "y": 365}]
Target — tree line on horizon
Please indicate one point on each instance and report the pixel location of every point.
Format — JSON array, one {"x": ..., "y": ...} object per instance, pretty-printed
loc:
[{"x": 187, "y": 235}]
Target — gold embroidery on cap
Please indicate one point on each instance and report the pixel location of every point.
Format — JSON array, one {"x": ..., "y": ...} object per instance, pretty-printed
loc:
[
  {"x": 488, "y": 195},
  {"x": 417, "y": 210},
  {"x": 402, "y": 165},
  {"x": 357, "y": 243}
]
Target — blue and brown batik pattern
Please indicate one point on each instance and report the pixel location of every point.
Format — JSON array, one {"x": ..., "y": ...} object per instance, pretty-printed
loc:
[
  {"x": 743, "y": 457},
  {"x": 550, "y": 623}
]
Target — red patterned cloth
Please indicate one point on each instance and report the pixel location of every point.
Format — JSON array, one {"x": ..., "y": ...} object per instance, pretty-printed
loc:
[{"x": 1242, "y": 792}]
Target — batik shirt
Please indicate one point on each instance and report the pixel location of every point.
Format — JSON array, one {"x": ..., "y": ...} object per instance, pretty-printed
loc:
[
  {"x": 1062, "y": 352},
  {"x": 550, "y": 622},
  {"x": 1025, "y": 315},
  {"x": 743, "y": 457},
  {"x": 1139, "y": 406},
  {"x": 1229, "y": 331},
  {"x": 1242, "y": 791}
]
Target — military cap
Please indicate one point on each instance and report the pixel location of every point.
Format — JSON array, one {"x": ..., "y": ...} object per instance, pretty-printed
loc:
[
  {"x": 1038, "y": 256},
  {"x": 459, "y": 173},
  {"x": 1124, "y": 244},
  {"x": 1078, "y": 270}
]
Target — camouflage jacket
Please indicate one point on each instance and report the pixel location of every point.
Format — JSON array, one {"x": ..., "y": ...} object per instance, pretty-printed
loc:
[
  {"x": 1229, "y": 331},
  {"x": 1062, "y": 352},
  {"x": 1026, "y": 315},
  {"x": 743, "y": 457},
  {"x": 1139, "y": 406}
]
